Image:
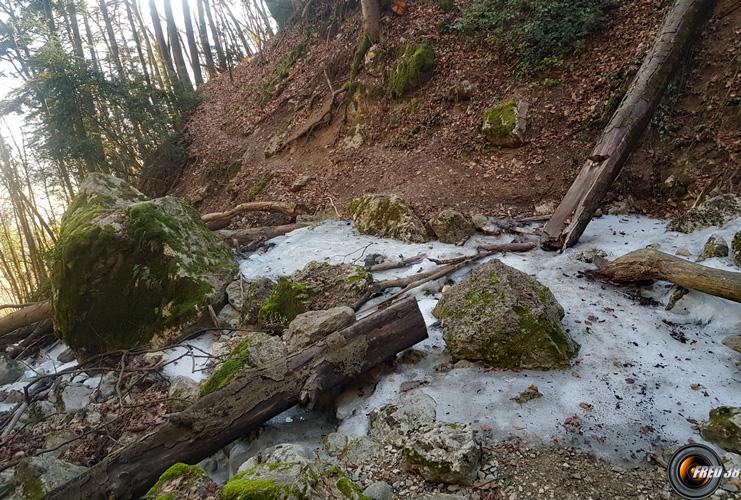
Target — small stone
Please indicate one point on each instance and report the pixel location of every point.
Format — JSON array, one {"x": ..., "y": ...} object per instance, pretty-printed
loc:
[
  {"x": 589, "y": 256},
  {"x": 184, "y": 391},
  {"x": 463, "y": 364},
  {"x": 362, "y": 449},
  {"x": 301, "y": 182},
  {"x": 479, "y": 221},
  {"x": 335, "y": 443},
  {"x": 528, "y": 394},
  {"x": 461, "y": 91},
  {"x": 733, "y": 342},
  {"x": 66, "y": 356},
  {"x": 56, "y": 440},
  {"x": 683, "y": 252},
  {"x": 37, "y": 412},
  {"x": 386, "y": 216},
  {"x": 229, "y": 317},
  {"x": 154, "y": 359},
  {"x": 716, "y": 246},
  {"x": 411, "y": 357},
  {"x": 451, "y": 226},
  {"x": 10, "y": 370},
  {"x": 280, "y": 453},
  {"x": 75, "y": 397},
  {"x": 37, "y": 476},
  {"x": 505, "y": 125},
  {"x": 715, "y": 211},
  {"x": 379, "y": 490},
  {"x": 392, "y": 423},
  {"x": 723, "y": 428}
]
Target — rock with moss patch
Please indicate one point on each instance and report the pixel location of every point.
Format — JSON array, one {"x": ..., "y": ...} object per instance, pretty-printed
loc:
[
  {"x": 451, "y": 226},
  {"x": 393, "y": 423},
  {"x": 387, "y": 216},
  {"x": 183, "y": 481},
  {"x": 444, "y": 453},
  {"x": 247, "y": 297},
  {"x": 714, "y": 211},
  {"x": 361, "y": 450},
  {"x": 504, "y": 125},
  {"x": 505, "y": 318},
  {"x": 312, "y": 326},
  {"x": 183, "y": 391},
  {"x": 736, "y": 248},
  {"x": 723, "y": 428},
  {"x": 128, "y": 271},
  {"x": 332, "y": 285},
  {"x": 716, "y": 246},
  {"x": 253, "y": 350},
  {"x": 35, "y": 477},
  {"x": 286, "y": 301},
  {"x": 415, "y": 66},
  {"x": 290, "y": 481}
]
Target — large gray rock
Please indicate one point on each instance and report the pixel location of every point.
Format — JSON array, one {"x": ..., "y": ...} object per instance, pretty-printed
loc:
[
  {"x": 155, "y": 260},
  {"x": 393, "y": 423},
  {"x": 73, "y": 397},
  {"x": 332, "y": 285},
  {"x": 444, "y": 453},
  {"x": 711, "y": 212},
  {"x": 387, "y": 216},
  {"x": 723, "y": 428},
  {"x": 37, "y": 476},
  {"x": 505, "y": 318},
  {"x": 379, "y": 490},
  {"x": 361, "y": 450},
  {"x": 10, "y": 370},
  {"x": 312, "y": 326},
  {"x": 451, "y": 226}
]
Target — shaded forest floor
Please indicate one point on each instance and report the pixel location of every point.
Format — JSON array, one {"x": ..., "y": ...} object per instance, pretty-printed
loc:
[{"x": 430, "y": 150}]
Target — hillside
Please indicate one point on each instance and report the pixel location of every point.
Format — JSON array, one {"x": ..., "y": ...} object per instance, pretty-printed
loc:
[{"x": 429, "y": 148}]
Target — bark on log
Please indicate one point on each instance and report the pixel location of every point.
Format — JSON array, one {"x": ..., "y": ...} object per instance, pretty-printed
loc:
[
  {"x": 622, "y": 134},
  {"x": 25, "y": 316},
  {"x": 650, "y": 265},
  {"x": 218, "y": 220},
  {"x": 254, "y": 396},
  {"x": 252, "y": 234}
]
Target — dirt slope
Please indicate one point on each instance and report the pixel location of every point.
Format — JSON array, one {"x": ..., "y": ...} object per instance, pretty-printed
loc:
[{"x": 430, "y": 150}]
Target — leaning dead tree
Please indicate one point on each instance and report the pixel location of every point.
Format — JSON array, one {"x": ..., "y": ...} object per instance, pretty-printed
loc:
[
  {"x": 650, "y": 265},
  {"x": 218, "y": 220},
  {"x": 254, "y": 396},
  {"x": 623, "y": 132}
]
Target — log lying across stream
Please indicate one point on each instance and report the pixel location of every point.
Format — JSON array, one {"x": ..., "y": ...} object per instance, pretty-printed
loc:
[
  {"x": 622, "y": 134},
  {"x": 650, "y": 265},
  {"x": 25, "y": 316},
  {"x": 253, "y": 397}
]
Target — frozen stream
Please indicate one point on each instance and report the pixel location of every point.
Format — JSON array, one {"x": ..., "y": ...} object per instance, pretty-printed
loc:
[{"x": 634, "y": 383}]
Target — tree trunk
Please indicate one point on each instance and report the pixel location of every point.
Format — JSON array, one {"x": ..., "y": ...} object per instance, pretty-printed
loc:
[
  {"x": 205, "y": 44},
  {"x": 195, "y": 63},
  {"x": 650, "y": 265},
  {"x": 150, "y": 53},
  {"x": 112, "y": 38},
  {"x": 218, "y": 220},
  {"x": 622, "y": 134},
  {"x": 254, "y": 396},
  {"x": 91, "y": 42},
  {"x": 215, "y": 32},
  {"x": 254, "y": 234},
  {"x": 371, "y": 19},
  {"x": 137, "y": 42},
  {"x": 162, "y": 46},
  {"x": 24, "y": 317},
  {"x": 177, "y": 51},
  {"x": 76, "y": 38}
]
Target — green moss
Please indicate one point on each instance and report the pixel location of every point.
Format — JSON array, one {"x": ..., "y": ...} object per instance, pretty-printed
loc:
[
  {"x": 359, "y": 56},
  {"x": 233, "y": 169},
  {"x": 175, "y": 471},
  {"x": 240, "y": 488},
  {"x": 260, "y": 185},
  {"x": 501, "y": 120},
  {"x": 476, "y": 298},
  {"x": 360, "y": 276},
  {"x": 236, "y": 361},
  {"x": 346, "y": 487},
  {"x": 414, "y": 68},
  {"x": 446, "y": 5},
  {"x": 32, "y": 489},
  {"x": 285, "y": 303}
]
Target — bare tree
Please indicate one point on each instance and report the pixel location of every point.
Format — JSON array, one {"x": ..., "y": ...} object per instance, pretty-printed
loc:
[
  {"x": 176, "y": 49},
  {"x": 203, "y": 35},
  {"x": 192, "y": 47}
]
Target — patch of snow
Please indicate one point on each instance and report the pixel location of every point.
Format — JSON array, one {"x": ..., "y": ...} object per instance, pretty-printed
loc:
[
  {"x": 190, "y": 358},
  {"x": 638, "y": 367}
]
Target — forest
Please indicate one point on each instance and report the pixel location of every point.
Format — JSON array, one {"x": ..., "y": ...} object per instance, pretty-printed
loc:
[{"x": 370, "y": 249}]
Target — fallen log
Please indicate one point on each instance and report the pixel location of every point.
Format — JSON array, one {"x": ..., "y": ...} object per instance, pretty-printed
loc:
[
  {"x": 24, "y": 317},
  {"x": 254, "y": 396},
  {"x": 622, "y": 134},
  {"x": 257, "y": 234},
  {"x": 218, "y": 220},
  {"x": 649, "y": 265},
  {"x": 385, "y": 266}
]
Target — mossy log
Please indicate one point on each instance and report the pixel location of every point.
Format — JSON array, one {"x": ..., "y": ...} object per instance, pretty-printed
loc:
[
  {"x": 253, "y": 235},
  {"x": 251, "y": 398},
  {"x": 649, "y": 265},
  {"x": 622, "y": 134},
  {"x": 24, "y": 317},
  {"x": 218, "y": 220}
]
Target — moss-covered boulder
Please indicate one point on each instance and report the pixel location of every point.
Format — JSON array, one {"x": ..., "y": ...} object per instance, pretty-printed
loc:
[
  {"x": 723, "y": 428},
  {"x": 35, "y": 477},
  {"x": 387, "y": 216},
  {"x": 505, "y": 318},
  {"x": 504, "y": 125},
  {"x": 414, "y": 67},
  {"x": 128, "y": 271},
  {"x": 714, "y": 211},
  {"x": 332, "y": 285},
  {"x": 251, "y": 351},
  {"x": 182, "y": 481},
  {"x": 716, "y": 246},
  {"x": 291, "y": 481},
  {"x": 736, "y": 248},
  {"x": 451, "y": 226}
]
